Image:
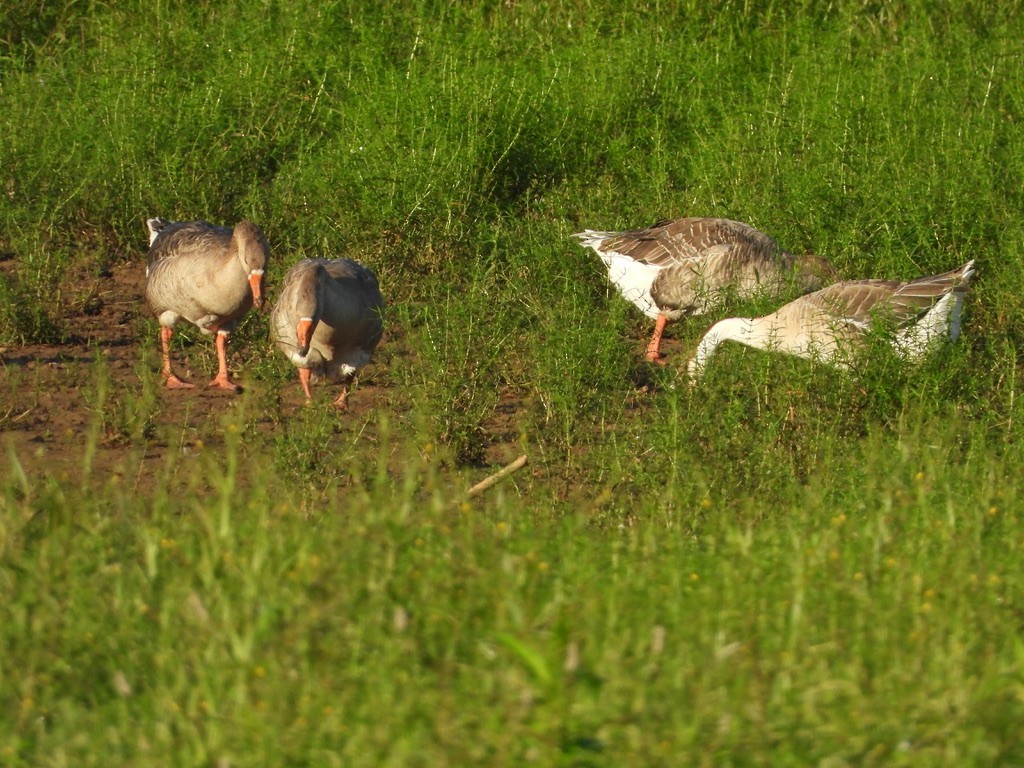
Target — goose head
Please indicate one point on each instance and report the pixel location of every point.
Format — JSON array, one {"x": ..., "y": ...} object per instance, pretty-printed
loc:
[
  {"x": 250, "y": 247},
  {"x": 307, "y": 300},
  {"x": 698, "y": 359},
  {"x": 693, "y": 370}
]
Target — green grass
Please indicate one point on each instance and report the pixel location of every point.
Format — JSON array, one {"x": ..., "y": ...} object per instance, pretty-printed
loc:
[{"x": 785, "y": 565}]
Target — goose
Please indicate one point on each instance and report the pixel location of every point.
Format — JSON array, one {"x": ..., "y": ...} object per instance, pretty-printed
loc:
[
  {"x": 827, "y": 324},
  {"x": 208, "y": 275},
  {"x": 328, "y": 320},
  {"x": 687, "y": 266}
]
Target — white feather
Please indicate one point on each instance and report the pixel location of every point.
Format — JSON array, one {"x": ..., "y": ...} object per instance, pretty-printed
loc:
[{"x": 633, "y": 279}]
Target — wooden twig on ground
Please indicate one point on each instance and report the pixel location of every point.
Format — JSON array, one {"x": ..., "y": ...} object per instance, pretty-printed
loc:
[{"x": 486, "y": 483}]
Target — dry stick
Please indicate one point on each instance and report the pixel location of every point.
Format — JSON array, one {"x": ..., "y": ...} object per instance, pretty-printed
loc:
[{"x": 486, "y": 483}]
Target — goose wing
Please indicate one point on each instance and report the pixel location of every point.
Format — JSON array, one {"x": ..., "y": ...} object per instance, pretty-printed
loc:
[
  {"x": 347, "y": 269},
  {"x": 186, "y": 240},
  {"x": 857, "y": 301},
  {"x": 671, "y": 243},
  {"x": 697, "y": 281}
]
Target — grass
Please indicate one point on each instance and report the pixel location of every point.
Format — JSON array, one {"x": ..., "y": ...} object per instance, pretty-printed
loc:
[{"x": 786, "y": 565}]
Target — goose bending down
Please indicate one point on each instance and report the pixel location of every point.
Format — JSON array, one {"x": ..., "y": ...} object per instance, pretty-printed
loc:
[
  {"x": 687, "y": 266},
  {"x": 827, "y": 324},
  {"x": 329, "y": 320},
  {"x": 205, "y": 274}
]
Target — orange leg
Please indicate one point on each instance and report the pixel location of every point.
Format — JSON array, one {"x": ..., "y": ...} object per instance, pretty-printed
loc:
[
  {"x": 170, "y": 380},
  {"x": 342, "y": 402},
  {"x": 223, "y": 381},
  {"x": 304, "y": 376},
  {"x": 654, "y": 348}
]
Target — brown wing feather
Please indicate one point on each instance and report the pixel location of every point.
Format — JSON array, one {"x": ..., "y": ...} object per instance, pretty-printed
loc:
[
  {"x": 183, "y": 239},
  {"x": 341, "y": 269},
  {"x": 698, "y": 282},
  {"x": 857, "y": 300},
  {"x": 853, "y": 299},
  {"x": 667, "y": 244}
]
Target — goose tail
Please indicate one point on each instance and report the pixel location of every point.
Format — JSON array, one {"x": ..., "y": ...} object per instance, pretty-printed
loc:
[
  {"x": 592, "y": 238},
  {"x": 955, "y": 279},
  {"x": 943, "y": 319},
  {"x": 967, "y": 272},
  {"x": 155, "y": 226}
]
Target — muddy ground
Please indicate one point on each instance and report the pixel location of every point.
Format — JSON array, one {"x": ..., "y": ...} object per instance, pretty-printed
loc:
[{"x": 48, "y": 393}]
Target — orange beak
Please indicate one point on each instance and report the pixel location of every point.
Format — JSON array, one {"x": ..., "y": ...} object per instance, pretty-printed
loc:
[
  {"x": 256, "y": 284},
  {"x": 304, "y": 332}
]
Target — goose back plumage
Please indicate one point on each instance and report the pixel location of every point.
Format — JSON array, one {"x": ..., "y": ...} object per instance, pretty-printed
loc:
[{"x": 343, "y": 298}]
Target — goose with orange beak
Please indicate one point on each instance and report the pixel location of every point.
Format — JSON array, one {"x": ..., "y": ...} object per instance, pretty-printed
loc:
[
  {"x": 208, "y": 275},
  {"x": 690, "y": 266},
  {"x": 328, "y": 321}
]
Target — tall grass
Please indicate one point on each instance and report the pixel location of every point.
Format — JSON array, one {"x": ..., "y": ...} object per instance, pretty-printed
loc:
[
  {"x": 783, "y": 565},
  {"x": 871, "y": 620}
]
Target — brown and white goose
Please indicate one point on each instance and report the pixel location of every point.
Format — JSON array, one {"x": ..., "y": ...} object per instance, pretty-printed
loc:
[
  {"x": 688, "y": 266},
  {"x": 208, "y": 275},
  {"x": 828, "y": 324},
  {"x": 328, "y": 320}
]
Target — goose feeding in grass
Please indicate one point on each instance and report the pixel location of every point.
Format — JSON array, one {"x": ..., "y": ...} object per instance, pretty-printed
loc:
[
  {"x": 208, "y": 275},
  {"x": 828, "y": 324},
  {"x": 688, "y": 266},
  {"x": 328, "y": 320}
]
